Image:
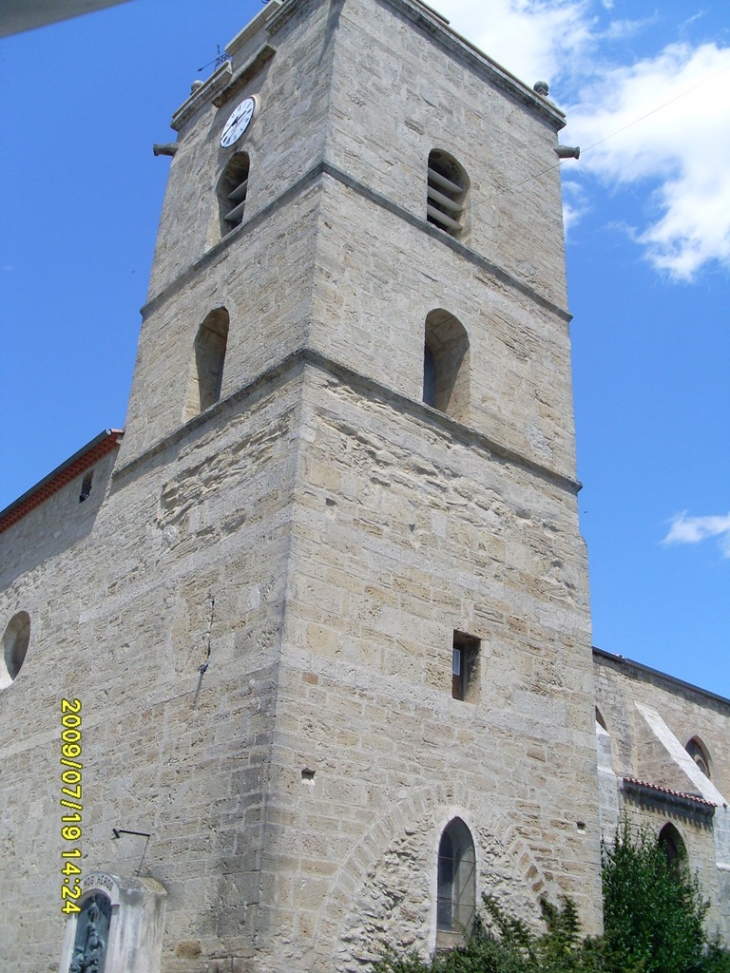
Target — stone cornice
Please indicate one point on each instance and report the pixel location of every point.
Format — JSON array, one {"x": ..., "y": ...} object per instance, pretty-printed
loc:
[
  {"x": 438, "y": 28},
  {"x": 244, "y": 74},
  {"x": 202, "y": 95},
  {"x": 292, "y": 364}
]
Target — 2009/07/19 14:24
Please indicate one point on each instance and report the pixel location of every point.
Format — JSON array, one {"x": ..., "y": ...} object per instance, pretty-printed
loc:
[{"x": 71, "y": 802}]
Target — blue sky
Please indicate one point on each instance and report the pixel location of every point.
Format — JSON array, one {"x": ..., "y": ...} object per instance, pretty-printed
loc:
[{"x": 647, "y": 91}]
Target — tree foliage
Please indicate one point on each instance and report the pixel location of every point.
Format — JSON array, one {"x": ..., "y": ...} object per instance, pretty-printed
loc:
[
  {"x": 653, "y": 910},
  {"x": 653, "y": 923}
]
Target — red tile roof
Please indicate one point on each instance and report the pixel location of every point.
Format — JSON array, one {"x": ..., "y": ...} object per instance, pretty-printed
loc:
[{"x": 641, "y": 785}]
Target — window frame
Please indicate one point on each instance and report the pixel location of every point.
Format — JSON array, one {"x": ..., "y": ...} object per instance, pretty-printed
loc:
[
  {"x": 672, "y": 843},
  {"x": 207, "y": 363},
  {"x": 15, "y": 642},
  {"x": 700, "y": 755},
  {"x": 233, "y": 189},
  {"x": 446, "y": 365},
  {"x": 447, "y": 188},
  {"x": 465, "y": 656}
]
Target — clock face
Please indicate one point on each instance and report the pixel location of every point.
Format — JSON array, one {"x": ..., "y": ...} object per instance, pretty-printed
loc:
[{"x": 238, "y": 122}]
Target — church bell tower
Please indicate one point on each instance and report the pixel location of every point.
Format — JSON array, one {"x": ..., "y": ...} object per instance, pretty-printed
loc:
[{"x": 355, "y": 364}]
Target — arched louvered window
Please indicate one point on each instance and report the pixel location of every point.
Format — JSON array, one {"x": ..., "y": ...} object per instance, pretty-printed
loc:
[
  {"x": 446, "y": 365},
  {"x": 205, "y": 375},
  {"x": 456, "y": 891},
  {"x": 447, "y": 189},
  {"x": 232, "y": 192}
]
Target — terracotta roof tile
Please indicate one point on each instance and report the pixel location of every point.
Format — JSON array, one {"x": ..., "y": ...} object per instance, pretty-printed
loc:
[{"x": 635, "y": 783}]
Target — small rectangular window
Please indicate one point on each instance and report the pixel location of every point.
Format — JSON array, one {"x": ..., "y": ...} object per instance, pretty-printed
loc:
[
  {"x": 457, "y": 684},
  {"x": 86, "y": 487},
  {"x": 465, "y": 667}
]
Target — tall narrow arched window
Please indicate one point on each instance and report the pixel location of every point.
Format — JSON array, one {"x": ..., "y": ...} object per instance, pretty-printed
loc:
[
  {"x": 447, "y": 188},
  {"x": 205, "y": 374},
  {"x": 671, "y": 843},
  {"x": 232, "y": 192},
  {"x": 456, "y": 888},
  {"x": 446, "y": 365}
]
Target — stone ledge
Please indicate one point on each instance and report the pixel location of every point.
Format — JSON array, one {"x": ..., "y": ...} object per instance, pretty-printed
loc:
[
  {"x": 293, "y": 364},
  {"x": 215, "y": 83}
]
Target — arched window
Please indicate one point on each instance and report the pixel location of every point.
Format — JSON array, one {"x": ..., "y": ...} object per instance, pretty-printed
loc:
[
  {"x": 15, "y": 644},
  {"x": 599, "y": 719},
  {"x": 456, "y": 890},
  {"x": 698, "y": 752},
  {"x": 232, "y": 191},
  {"x": 447, "y": 189},
  {"x": 206, "y": 366},
  {"x": 671, "y": 843},
  {"x": 446, "y": 365}
]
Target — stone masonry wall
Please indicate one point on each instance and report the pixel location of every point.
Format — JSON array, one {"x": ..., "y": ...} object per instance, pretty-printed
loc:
[
  {"x": 687, "y": 711},
  {"x": 122, "y": 621},
  {"x": 376, "y": 284},
  {"x": 284, "y": 141},
  {"x": 402, "y": 534},
  {"x": 263, "y": 279},
  {"x": 60, "y": 523},
  {"x": 364, "y": 90}
]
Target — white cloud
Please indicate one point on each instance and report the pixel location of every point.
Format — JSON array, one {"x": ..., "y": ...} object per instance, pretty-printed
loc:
[
  {"x": 692, "y": 530},
  {"x": 575, "y": 204},
  {"x": 663, "y": 121},
  {"x": 621, "y": 29},
  {"x": 533, "y": 39},
  {"x": 682, "y": 140},
  {"x": 571, "y": 216}
]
